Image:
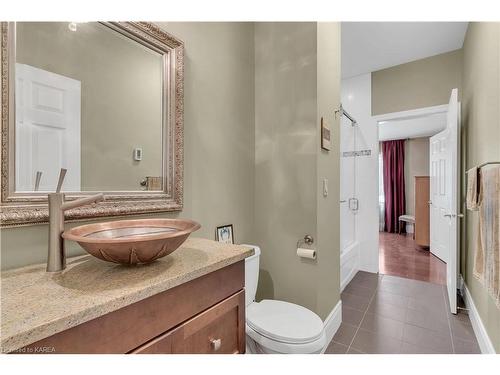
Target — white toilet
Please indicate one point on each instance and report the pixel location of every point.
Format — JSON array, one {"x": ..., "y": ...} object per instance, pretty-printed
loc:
[{"x": 278, "y": 326}]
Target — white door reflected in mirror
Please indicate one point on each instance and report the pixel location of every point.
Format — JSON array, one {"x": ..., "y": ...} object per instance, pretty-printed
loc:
[{"x": 47, "y": 129}]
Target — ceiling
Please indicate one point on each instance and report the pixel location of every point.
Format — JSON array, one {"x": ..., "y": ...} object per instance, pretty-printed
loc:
[{"x": 371, "y": 46}]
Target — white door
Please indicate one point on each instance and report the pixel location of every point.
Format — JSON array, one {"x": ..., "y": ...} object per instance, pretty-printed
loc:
[
  {"x": 47, "y": 129},
  {"x": 444, "y": 205},
  {"x": 438, "y": 193}
]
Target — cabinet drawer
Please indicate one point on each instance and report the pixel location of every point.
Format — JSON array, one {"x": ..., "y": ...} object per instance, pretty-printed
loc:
[
  {"x": 218, "y": 330},
  {"x": 159, "y": 345}
]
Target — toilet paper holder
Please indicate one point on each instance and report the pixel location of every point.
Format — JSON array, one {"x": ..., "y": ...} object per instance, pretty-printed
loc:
[{"x": 308, "y": 240}]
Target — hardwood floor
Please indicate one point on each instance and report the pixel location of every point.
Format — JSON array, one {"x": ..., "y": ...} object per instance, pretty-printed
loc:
[{"x": 400, "y": 256}]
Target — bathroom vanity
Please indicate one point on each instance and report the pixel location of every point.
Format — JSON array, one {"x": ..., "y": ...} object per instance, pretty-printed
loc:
[
  {"x": 126, "y": 141},
  {"x": 191, "y": 301}
]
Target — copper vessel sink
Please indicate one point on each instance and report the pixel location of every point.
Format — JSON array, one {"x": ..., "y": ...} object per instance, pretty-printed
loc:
[{"x": 132, "y": 241}]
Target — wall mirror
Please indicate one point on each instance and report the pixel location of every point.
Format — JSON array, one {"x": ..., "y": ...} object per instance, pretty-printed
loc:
[{"x": 103, "y": 100}]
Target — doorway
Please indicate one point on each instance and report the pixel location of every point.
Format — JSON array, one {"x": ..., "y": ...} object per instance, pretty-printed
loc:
[{"x": 413, "y": 243}]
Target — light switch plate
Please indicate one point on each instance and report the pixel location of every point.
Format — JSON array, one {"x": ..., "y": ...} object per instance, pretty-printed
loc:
[
  {"x": 325, "y": 187},
  {"x": 138, "y": 154}
]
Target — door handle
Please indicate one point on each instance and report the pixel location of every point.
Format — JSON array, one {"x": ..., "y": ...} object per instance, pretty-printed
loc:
[{"x": 447, "y": 215}]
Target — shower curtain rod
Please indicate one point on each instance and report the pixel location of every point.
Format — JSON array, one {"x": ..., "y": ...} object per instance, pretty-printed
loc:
[{"x": 346, "y": 114}]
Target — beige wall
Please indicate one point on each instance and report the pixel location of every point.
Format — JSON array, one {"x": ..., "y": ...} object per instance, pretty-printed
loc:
[
  {"x": 422, "y": 83},
  {"x": 119, "y": 110},
  {"x": 481, "y": 134},
  {"x": 285, "y": 158},
  {"x": 297, "y": 80},
  {"x": 219, "y": 139},
  {"x": 416, "y": 164},
  {"x": 328, "y": 167}
]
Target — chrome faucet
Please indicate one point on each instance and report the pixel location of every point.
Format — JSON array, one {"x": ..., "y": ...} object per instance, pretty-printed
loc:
[{"x": 56, "y": 258}]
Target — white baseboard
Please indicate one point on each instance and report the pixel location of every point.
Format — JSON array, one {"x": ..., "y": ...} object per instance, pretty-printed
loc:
[
  {"x": 483, "y": 339},
  {"x": 371, "y": 268},
  {"x": 332, "y": 323},
  {"x": 348, "y": 278}
]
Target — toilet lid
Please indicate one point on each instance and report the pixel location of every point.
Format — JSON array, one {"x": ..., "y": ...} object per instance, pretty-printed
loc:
[{"x": 284, "y": 321}]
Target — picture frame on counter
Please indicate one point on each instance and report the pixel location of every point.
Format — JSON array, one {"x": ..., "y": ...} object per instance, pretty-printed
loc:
[{"x": 224, "y": 234}]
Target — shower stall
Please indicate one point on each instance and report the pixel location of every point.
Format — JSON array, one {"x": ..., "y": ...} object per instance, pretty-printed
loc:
[
  {"x": 349, "y": 204},
  {"x": 359, "y": 208}
]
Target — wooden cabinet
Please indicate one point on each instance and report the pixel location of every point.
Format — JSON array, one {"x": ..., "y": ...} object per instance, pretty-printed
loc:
[
  {"x": 205, "y": 315},
  {"x": 219, "y": 330},
  {"x": 422, "y": 197}
]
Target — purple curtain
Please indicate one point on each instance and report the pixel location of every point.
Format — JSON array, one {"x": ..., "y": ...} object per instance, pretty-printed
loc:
[{"x": 393, "y": 154}]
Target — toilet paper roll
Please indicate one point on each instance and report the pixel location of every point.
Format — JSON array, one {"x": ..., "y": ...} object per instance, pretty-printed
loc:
[{"x": 306, "y": 253}]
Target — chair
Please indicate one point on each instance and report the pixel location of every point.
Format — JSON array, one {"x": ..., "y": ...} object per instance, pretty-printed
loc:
[{"x": 407, "y": 219}]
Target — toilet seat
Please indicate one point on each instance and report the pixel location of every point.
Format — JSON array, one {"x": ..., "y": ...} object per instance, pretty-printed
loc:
[{"x": 285, "y": 327}]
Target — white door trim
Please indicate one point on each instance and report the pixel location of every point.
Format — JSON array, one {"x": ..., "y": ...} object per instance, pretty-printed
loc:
[{"x": 419, "y": 112}]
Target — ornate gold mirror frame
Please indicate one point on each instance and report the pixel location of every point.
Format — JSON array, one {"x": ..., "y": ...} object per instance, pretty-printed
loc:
[{"x": 31, "y": 207}]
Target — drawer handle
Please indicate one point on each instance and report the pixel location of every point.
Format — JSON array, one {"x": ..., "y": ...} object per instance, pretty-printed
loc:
[{"x": 215, "y": 344}]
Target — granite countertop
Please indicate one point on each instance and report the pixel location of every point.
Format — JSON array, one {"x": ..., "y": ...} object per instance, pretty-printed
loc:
[{"x": 36, "y": 304}]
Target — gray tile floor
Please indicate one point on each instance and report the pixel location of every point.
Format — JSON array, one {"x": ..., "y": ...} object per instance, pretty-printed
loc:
[{"x": 385, "y": 314}]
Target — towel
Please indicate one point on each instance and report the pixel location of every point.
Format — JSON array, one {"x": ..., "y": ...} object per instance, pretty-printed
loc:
[
  {"x": 473, "y": 180},
  {"x": 487, "y": 257}
]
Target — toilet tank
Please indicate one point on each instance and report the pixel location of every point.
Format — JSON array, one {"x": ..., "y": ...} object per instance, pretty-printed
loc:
[{"x": 251, "y": 275}]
